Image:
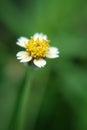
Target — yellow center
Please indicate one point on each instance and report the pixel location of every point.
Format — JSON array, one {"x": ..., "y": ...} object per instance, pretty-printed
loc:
[{"x": 37, "y": 48}]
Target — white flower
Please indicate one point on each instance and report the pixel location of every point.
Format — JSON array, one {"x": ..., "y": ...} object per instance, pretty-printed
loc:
[{"x": 37, "y": 48}]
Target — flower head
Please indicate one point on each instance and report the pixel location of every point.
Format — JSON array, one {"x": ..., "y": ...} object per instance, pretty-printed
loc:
[{"x": 37, "y": 48}]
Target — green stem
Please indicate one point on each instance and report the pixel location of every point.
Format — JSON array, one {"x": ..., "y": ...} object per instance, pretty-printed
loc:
[{"x": 22, "y": 106}]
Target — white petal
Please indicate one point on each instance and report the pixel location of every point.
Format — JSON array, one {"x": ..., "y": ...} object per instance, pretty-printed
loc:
[
  {"x": 41, "y": 36},
  {"x": 39, "y": 63},
  {"x": 23, "y": 56},
  {"x": 27, "y": 59},
  {"x": 22, "y": 41},
  {"x": 22, "y": 53},
  {"x": 52, "y": 52}
]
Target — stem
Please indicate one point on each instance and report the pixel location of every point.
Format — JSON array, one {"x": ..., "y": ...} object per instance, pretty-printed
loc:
[{"x": 22, "y": 106}]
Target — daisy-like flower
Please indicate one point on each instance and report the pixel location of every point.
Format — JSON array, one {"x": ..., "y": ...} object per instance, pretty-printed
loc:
[{"x": 37, "y": 48}]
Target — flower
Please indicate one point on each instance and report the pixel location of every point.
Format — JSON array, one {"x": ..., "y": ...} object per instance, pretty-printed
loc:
[{"x": 37, "y": 48}]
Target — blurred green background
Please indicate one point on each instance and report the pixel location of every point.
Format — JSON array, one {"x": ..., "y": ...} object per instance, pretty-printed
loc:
[{"x": 58, "y": 93}]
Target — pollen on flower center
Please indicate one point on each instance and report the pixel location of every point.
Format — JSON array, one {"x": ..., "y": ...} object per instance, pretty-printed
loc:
[{"x": 37, "y": 48}]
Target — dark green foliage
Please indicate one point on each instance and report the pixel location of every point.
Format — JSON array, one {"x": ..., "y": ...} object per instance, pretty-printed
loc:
[{"x": 58, "y": 94}]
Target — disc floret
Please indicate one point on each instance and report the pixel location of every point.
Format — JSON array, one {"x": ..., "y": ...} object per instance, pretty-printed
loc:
[{"x": 37, "y": 48}]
